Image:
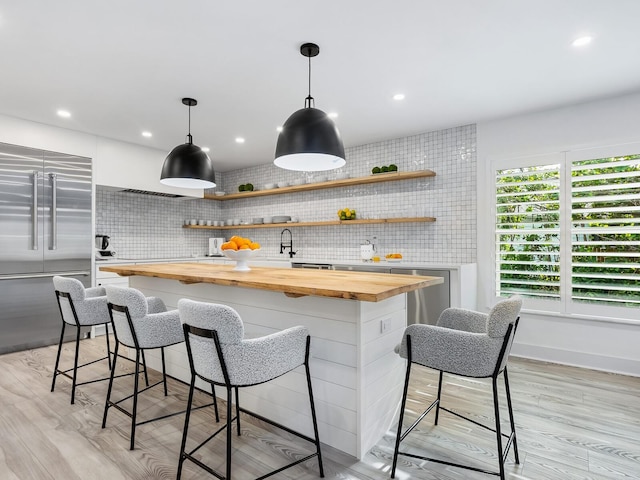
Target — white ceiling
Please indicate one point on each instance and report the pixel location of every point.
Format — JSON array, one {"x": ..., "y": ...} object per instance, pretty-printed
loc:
[{"x": 122, "y": 66}]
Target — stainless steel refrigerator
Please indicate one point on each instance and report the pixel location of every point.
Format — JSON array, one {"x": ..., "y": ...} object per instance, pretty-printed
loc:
[{"x": 45, "y": 230}]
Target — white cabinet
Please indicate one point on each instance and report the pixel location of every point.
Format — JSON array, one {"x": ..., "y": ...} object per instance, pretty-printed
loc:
[
  {"x": 109, "y": 278},
  {"x": 103, "y": 279}
]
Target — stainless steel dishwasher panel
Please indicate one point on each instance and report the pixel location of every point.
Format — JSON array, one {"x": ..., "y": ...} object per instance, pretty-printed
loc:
[
  {"x": 362, "y": 268},
  {"x": 426, "y": 304}
]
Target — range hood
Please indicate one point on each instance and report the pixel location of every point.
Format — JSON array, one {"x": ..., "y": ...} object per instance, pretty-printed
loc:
[
  {"x": 147, "y": 192},
  {"x": 134, "y": 169}
]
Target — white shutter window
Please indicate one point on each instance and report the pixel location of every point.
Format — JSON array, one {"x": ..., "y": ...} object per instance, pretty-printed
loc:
[
  {"x": 605, "y": 231},
  {"x": 527, "y": 231}
]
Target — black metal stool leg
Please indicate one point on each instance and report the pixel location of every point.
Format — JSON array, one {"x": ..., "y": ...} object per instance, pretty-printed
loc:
[
  {"x": 113, "y": 371},
  {"x": 215, "y": 401},
  {"x": 511, "y": 420},
  {"x": 439, "y": 394},
  {"x": 313, "y": 412},
  {"x": 134, "y": 410},
  {"x": 186, "y": 424},
  {"x": 496, "y": 408},
  {"x": 229, "y": 424},
  {"x": 75, "y": 367},
  {"x": 144, "y": 362},
  {"x": 55, "y": 369},
  {"x": 402, "y": 407},
  {"x": 238, "y": 410},
  {"x": 106, "y": 327},
  {"x": 164, "y": 372}
]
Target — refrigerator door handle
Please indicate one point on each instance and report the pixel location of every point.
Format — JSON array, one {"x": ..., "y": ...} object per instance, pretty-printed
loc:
[
  {"x": 54, "y": 211},
  {"x": 45, "y": 275},
  {"x": 34, "y": 213}
]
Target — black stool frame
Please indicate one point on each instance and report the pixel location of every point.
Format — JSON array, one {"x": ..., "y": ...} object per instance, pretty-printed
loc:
[
  {"x": 139, "y": 353},
  {"x": 511, "y": 439},
  {"x": 184, "y": 455},
  {"x": 65, "y": 373}
]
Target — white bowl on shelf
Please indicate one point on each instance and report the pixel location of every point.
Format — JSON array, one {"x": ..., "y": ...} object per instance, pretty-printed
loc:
[
  {"x": 218, "y": 194},
  {"x": 269, "y": 186},
  {"x": 241, "y": 257},
  {"x": 283, "y": 184}
]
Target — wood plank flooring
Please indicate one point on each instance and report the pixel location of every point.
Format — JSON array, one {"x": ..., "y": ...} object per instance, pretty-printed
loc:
[{"x": 572, "y": 424}]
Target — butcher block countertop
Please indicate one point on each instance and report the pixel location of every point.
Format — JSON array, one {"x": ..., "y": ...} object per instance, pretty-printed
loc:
[{"x": 293, "y": 282}]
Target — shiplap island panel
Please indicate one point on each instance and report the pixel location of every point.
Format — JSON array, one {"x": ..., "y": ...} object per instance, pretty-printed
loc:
[{"x": 355, "y": 320}]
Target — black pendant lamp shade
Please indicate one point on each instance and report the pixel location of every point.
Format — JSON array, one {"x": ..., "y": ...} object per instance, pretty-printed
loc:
[
  {"x": 309, "y": 140},
  {"x": 187, "y": 166}
]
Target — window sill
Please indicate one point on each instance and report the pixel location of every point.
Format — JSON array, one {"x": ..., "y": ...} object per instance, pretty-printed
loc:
[{"x": 583, "y": 317}]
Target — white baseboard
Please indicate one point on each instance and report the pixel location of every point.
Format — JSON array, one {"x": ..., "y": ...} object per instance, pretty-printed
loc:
[{"x": 622, "y": 366}]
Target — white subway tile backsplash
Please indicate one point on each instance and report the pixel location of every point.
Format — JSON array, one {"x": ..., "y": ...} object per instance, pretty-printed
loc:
[{"x": 142, "y": 226}]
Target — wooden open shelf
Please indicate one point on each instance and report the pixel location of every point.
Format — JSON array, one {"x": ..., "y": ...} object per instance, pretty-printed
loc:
[
  {"x": 378, "y": 177},
  {"x": 319, "y": 224}
]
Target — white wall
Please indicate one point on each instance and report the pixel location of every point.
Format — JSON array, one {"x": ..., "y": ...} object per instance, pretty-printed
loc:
[
  {"x": 115, "y": 164},
  {"x": 577, "y": 341},
  {"x": 38, "y": 135}
]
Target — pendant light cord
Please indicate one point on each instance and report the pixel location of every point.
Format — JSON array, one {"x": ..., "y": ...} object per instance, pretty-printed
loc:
[
  {"x": 309, "y": 101},
  {"x": 189, "y": 137}
]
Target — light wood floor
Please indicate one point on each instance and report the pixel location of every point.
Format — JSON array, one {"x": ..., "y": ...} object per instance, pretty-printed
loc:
[{"x": 572, "y": 424}]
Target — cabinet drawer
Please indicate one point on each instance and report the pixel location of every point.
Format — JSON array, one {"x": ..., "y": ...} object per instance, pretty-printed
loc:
[{"x": 122, "y": 281}]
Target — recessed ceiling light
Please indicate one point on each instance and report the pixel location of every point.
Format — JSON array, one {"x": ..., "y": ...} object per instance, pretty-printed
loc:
[
  {"x": 64, "y": 113},
  {"x": 206, "y": 149},
  {"x": 582, "y": 41},
  {"x": 398, "y": 96},
  {"x": 239, "y": 140},
  {"x": 332, "y": 115},
  {"x": 147, "y": 134},
  {"x": 279, "y": 128}
]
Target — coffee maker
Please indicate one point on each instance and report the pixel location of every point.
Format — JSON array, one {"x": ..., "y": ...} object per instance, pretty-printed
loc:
[
  {"x": 102, "y": 248},
  {"x": 215, "y": 247}
]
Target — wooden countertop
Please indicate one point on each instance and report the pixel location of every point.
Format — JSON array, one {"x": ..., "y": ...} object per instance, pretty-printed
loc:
[{"x": 293, "y": 282}]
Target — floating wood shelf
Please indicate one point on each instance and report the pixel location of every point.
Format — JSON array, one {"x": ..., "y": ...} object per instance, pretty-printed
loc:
[
  {"x": 379, "y": 177},
  {"x": 319, "y": 224}
]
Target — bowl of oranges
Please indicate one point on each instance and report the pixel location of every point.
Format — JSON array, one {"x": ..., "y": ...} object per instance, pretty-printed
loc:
[
  {"x": 241, "y": 250},
  {"x": 393, "y": 257}
]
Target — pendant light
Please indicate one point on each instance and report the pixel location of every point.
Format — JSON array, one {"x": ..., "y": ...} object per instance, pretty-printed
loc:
[
  {"x": 309, "y": 140},
  {"x": 187, "y": 166}
]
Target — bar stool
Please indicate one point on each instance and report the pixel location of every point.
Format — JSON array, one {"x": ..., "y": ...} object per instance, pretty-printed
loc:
[
  {"x": 219, "y": 355},
  {"x": 79, "y": 307},
  {"x": 141, "y": 323},
  {"x": 468, "y": 344}
]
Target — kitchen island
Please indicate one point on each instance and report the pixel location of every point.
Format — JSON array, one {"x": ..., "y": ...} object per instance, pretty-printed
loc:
[{"x": 355, "y": 320}]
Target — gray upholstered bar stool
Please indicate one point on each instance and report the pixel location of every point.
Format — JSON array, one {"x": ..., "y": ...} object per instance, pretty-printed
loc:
[
  {"x": 469, "y": 344},
  {"x": 79, "y": 307},
  {"x": 219, "y": 355},
  {"x": 141, "y": 323}
]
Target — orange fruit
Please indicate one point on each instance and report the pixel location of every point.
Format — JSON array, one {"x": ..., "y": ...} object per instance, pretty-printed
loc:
[
  {"x": 244, "y": 247},
  {"x": 254, "y": 246}
]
